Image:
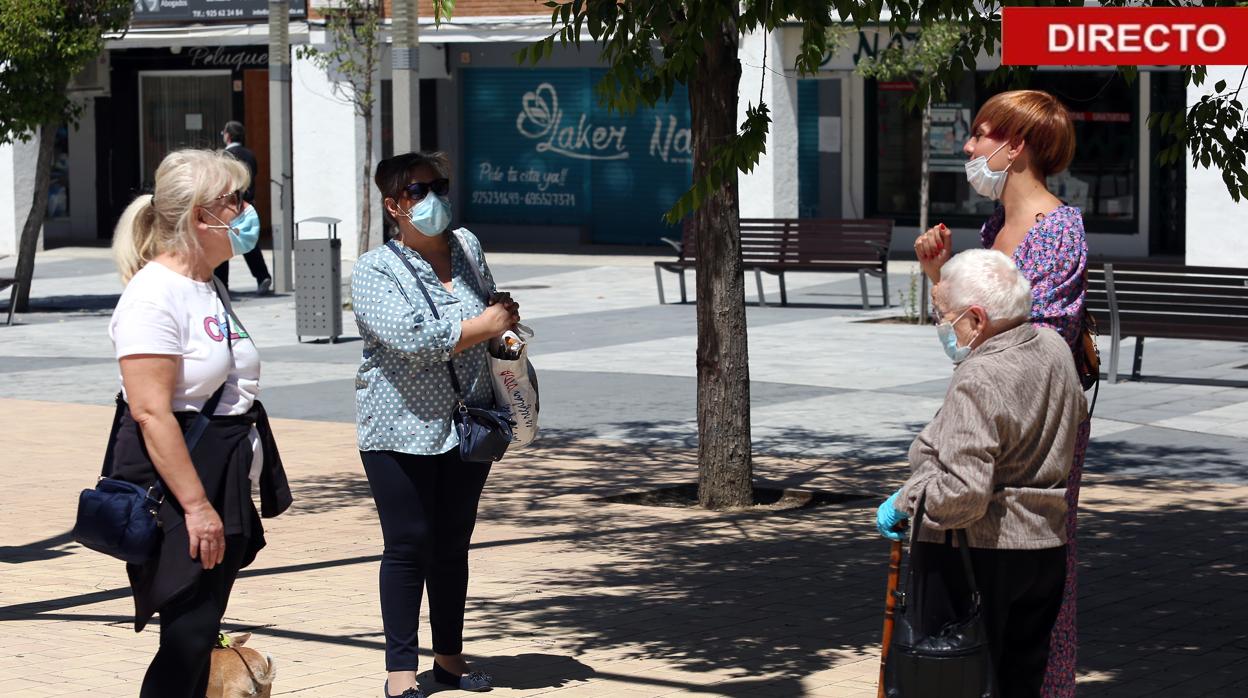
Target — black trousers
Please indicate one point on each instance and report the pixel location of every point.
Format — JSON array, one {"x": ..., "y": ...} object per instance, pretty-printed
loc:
[
  {"x": 1022, "y": 592},
  {"x": 428, "y": 509},
  {"x": 189, "y": 625},
  {"x": 255, "y": 263}
]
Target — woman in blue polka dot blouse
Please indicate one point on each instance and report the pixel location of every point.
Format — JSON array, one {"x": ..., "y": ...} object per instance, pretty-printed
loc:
[{"x": 426, "y": 495}]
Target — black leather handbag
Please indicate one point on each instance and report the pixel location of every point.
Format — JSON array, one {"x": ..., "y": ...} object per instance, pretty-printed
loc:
[
  {"x": 952, "y": 661},
  {"x": 120, "y": 518},
  {"x": 484, "y": 432}
]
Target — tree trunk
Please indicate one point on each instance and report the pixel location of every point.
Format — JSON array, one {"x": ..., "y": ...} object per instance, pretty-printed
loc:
[
  {"x": 925, "y": 181},
  {"x": 29, "y": 244},
  {"x": 725, "y": 470},
  {"x": 366, "y": 188}
]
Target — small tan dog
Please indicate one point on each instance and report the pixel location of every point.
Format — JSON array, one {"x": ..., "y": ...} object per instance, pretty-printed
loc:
[{"x": 239, "y": 672}]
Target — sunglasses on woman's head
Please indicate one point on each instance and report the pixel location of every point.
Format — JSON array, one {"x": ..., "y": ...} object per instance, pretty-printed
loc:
[{"x": 418, "y": 190}]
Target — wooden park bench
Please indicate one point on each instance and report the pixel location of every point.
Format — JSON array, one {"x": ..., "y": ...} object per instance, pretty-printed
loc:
[
  {"x": 779, "y": 245},
  {"x": 1165, "y": 300}
]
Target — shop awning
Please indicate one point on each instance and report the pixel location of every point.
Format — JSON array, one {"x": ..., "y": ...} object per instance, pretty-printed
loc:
[{"x": 466, "y": 30}]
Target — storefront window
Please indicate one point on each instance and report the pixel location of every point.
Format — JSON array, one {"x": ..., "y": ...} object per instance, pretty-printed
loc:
[
  {"x": 181, "y": 110},
  {"x": 1102, "y": 179},
  {"x": 58, "y": 187}
]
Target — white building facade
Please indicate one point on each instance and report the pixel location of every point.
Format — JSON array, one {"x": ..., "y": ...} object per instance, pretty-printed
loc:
[{"x": 540, "y": 164}]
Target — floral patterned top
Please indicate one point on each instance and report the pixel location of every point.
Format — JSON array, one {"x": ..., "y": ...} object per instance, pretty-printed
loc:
[{"x": 1054, "y": 258}]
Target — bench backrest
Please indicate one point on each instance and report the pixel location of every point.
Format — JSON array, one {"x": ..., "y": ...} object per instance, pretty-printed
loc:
[
  {"x": 813, "y": 242},
  {"x": 1162, "y": 300}
]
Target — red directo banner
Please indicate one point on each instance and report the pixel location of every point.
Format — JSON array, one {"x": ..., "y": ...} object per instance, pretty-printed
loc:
[{"x": 1124, "y": 36}]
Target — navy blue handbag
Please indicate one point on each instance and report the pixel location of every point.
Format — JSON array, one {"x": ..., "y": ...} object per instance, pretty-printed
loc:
[
  {"x": 484, "y": 433},
  {"x": 119, "y": 518}
]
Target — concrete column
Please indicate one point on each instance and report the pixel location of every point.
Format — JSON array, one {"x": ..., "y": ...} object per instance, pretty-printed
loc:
[
  {"x": 281, "y": 166},
  {"x": 770, "y": 191},
  {"x": 405, "y": 75},
  {"x": 328, "y": 167}
]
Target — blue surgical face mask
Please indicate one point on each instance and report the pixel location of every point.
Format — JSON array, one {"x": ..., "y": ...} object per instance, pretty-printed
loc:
[
  {"x": 949, "y": 340},
  {"x": 430, "y": 215},
  {"x": 244, "y": 230}
]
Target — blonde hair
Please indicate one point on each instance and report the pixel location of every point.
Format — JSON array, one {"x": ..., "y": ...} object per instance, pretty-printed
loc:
[{"x": 164, "y": 221}]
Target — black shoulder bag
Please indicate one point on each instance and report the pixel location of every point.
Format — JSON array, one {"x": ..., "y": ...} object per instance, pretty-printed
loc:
[
  {"x": 953, "y": 661},
  {"x": 484, "y": 433},
  {"x": 120, "y": 518}
]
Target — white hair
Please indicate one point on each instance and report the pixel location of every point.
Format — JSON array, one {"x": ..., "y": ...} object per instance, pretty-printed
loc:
[{"x": 988, "y": 279}]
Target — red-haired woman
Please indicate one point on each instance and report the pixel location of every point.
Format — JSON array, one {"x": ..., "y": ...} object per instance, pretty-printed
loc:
[{"x": 1018, "y": 140}]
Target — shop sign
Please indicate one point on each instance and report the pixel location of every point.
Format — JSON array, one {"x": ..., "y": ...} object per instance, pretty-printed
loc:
[
  {"x": 866, "y": 43},
  {"x": 540, "y": 149},
  {"x": 855, "y": 45},
  {"x": 179, "y": 11},
  {"x": 220, "y": 57},
  {"x": 1124, "y": 36}
]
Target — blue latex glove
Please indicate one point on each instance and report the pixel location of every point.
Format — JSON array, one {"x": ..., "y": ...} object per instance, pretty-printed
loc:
[{"x": 888, "y": 516}]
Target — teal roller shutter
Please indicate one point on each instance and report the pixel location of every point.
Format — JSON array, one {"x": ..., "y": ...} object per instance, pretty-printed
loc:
[
  {"x": 539, "y": 150},
  {"x": 808, "y": 148}
]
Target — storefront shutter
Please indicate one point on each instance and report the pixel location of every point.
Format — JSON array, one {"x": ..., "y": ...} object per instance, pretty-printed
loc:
[{"x": 540, "y": 150}]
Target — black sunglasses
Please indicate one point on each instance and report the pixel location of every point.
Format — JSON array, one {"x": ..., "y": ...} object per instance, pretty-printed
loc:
[
  {"x": 418, "y": 190},
  {"x": 235, "y": 198}
]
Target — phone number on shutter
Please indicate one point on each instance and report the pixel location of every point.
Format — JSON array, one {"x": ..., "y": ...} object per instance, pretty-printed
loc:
[{"x": 515, "y": 198}]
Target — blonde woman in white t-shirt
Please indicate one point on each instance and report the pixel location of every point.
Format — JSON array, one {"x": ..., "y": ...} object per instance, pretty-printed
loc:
[{"x": 179, "y": 348}]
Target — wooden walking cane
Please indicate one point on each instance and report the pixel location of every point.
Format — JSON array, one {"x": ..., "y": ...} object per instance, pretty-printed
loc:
[{"x": 890, "y": 605}]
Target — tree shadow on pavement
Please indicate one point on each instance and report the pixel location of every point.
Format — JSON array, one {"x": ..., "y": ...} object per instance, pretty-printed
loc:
[
  {"x": 761, "y": 599},
  {"x": 1124, "y": 458},
  {"x": 39, "y": 550},
  {"x": 750, "y": 594},
  {"x": 97, "y": 304},
  {"x": 524, "y": 671},
  {"x": 1161, "y": 607}
]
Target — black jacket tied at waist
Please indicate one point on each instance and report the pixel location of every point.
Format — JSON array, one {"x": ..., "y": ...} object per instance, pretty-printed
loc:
[{"x": 223, "y": 460}]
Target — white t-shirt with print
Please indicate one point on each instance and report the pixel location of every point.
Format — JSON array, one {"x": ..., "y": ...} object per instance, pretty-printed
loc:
[{"x": 164, "y": 312}]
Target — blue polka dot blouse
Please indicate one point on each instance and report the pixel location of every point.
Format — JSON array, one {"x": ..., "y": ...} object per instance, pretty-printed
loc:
[{"x": 403, "y": 393}]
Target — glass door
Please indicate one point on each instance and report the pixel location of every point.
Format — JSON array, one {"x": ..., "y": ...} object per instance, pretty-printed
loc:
[{"x": 180, "y": 110}]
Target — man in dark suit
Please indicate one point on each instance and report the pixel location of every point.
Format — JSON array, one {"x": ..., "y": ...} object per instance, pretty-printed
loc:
[{"x": 232, "y": 135}]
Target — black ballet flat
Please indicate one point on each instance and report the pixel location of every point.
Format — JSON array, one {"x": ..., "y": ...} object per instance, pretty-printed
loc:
[
  {"x": 474, "y": 681},
  {"x": 409, "y": 693}
]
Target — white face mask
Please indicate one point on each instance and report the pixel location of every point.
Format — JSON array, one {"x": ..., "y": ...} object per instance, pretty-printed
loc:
[{"x": 983, "y": 179}]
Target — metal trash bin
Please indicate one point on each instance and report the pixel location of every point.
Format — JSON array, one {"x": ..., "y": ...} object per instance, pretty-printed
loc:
[{"x": 318, "y": 282}]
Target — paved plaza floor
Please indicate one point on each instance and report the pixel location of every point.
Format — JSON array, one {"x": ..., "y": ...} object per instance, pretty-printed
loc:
[{"x": 572, "y": 596}]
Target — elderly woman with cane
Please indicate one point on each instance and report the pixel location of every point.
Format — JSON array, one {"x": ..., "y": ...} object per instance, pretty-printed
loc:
[
  {"x": 994, "y": 462},
  {"x": 1019, "y": 139}
]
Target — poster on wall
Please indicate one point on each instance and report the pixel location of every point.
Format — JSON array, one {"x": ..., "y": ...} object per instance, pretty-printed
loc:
[
  {"x": 951, "y": 126},
  {"x": 172, "y": 11},
  {"x": 540, "y": 150}
]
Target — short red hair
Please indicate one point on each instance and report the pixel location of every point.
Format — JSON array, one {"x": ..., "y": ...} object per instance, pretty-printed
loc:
[{"x": 1036, "y": 117}]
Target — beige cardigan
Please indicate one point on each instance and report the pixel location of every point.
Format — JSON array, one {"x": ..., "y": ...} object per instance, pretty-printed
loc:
[{"x": 994, "y": 459}]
